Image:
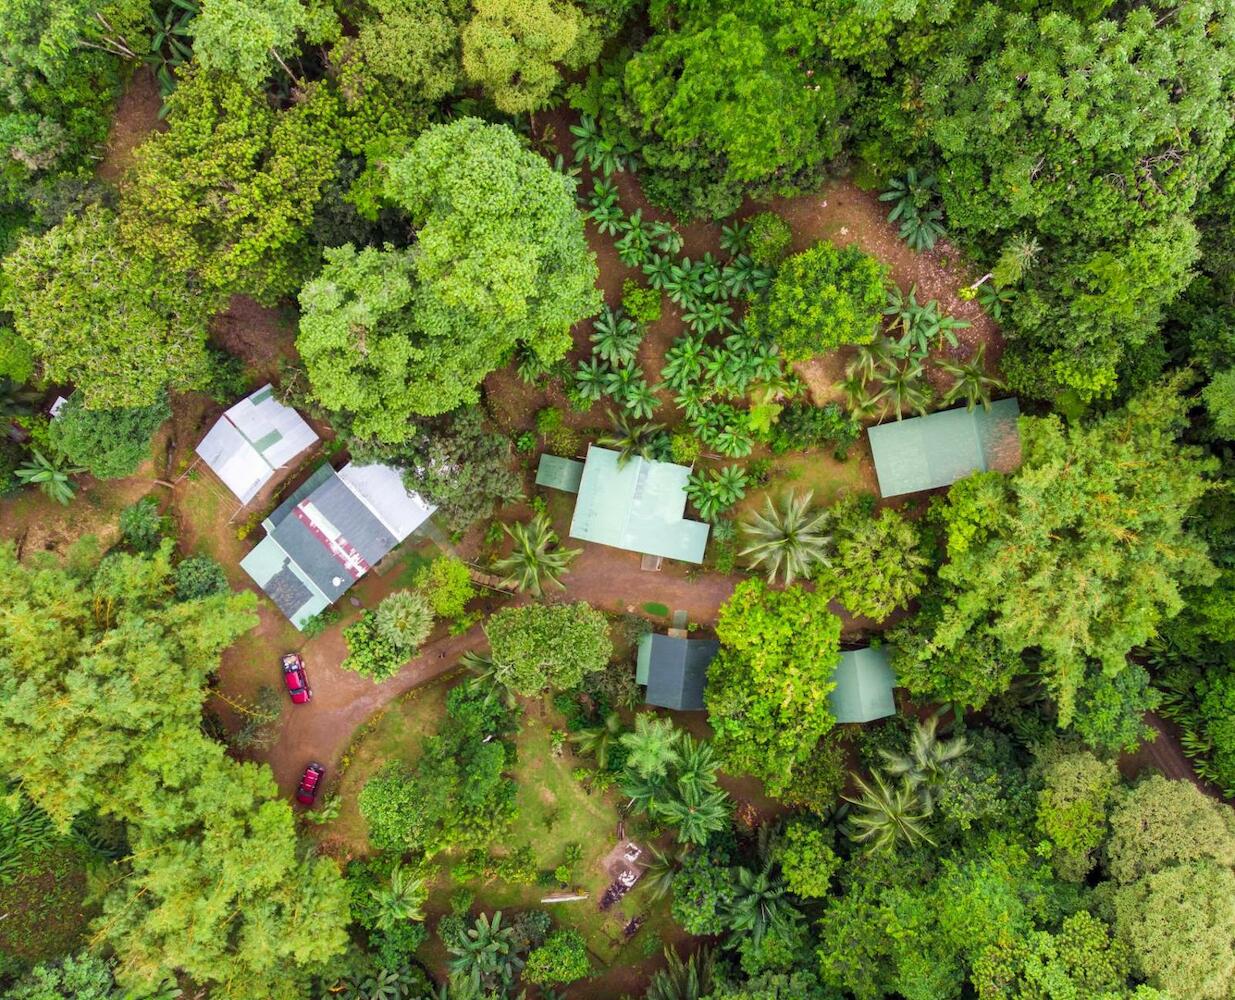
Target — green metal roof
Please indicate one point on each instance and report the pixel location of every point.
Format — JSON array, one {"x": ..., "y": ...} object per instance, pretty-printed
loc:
[
  {"x": 864, "y": 683},
  {"x": 637, "y": 506},
  {"x": 924, "y": 453},
  {"x": 559, "y": 473},
  {"x": 675, "y": 670}
]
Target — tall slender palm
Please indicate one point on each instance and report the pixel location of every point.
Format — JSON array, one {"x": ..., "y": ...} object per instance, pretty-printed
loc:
[
  {"x": 599, "y": 740},
  {"x": 972, "y": 383},
  {"x": 689, "y": 980},
  {"x": 926, "y": 763},
  {"x": 789, "y": 540},
  {"x": 535, "y": 561},
  {"x": 486, "y": 954},
  {"x": 633, "y": 440},
  {"x": 698, "y": 762},
  {"x": 401, "y": 899},
  {"x": 886, "y": 815},
  {"x": 652, "y": 748},
  {"x": 759, "y": 903}
]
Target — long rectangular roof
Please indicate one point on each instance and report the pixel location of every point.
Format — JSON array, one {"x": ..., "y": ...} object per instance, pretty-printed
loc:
[
  {"x": 924, "y": 453},
  {"x": 637, "y": 506},
  {"x": 253, "y": 439}
]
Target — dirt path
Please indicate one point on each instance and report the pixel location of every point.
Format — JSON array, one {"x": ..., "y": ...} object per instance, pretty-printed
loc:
[
  {"x": 137, "y": 115},
  {"x": 1166, "y": 756}
]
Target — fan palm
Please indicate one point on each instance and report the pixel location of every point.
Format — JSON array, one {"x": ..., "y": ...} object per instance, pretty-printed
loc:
[
  {"x": 689, "y": 980},
  {"x": 631, "y": 440},
  {"x": 789, "y": 540},
  {"x": 652, "y": 748},
  {"x": 972, "y": 383},
  {"x": 400, "y": 900},
  {"x": 886, "y": 815},
  {"x": 599, "y": 740},
  {"x": 535, "y": 561},
  {"x": 759, "y": 904},
  {"x": 925, "y": 764},
  {"x": 51, "y": 475}
]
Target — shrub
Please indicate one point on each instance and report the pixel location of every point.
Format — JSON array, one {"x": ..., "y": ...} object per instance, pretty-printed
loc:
[
  {"x": 1072, "y": 810},
  {"x": 142, "y": 525},
  {"x": 559, "y": 439},
  {"x": 199, "y": 576},
  {"x": 820, "y": 299},
  {"x": 769, "y": 238},
  {"x": 111, "y": 444},
  {"x": 806, "y": 857},
  {"x": 817, "y": 782},
  {"x": 561, "y": 959},
  {"x": 539, "y": 646},
  {"x": 643, "y": 305},
  {"x": 447, "y": 585},
  {"x": 369, "y": 651},
  {"x": 803, "y": 426},
  {"x": 685, "y": 448}
]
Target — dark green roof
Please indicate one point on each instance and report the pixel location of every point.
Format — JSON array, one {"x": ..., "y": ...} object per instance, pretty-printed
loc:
[
  {"x": 675, "y": 670},
  {"x": 924, "y": 453}
]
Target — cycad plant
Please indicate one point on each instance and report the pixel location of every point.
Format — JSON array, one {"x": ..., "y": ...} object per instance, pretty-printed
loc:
[
  {"x": 926, "y": 763},
  {"x": 972, "y": 383},
  {"x": 789, "y": 540},
  {"x": 401, "y": 899},
  {"x": 536, "y": 559},
  {"x": 599, "y": 740},
  {"x": 886, "y": 815},
  {"x": 51, "y": 475},
  {"x": 634, "y": 440}
]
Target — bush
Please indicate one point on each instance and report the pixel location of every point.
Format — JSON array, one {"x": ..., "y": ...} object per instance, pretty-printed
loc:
[
  {"x": 559, "y": 439},
  {"x": 199, "y": 576},
  {"x": 806, "y": 858},
  {"x": 447, "y": 585},
  {"x": 820, "y": 299},
  {"x": 561, "y": 959},
  {"x": 643, "y": 305},
  {"x": 769, "y": 239},
  {"x": 369, "y": 651},
  {"x": 11, "y": 458},
  {"x": 110, "y": 444},
  {"x": 803, "y": 426},
  {"x": 141, "y": 525}
]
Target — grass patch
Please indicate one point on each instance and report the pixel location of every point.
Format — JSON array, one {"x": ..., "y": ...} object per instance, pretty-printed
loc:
[
  {"x": 655, "y": 608},
  {"x": 46, "y": 906}
]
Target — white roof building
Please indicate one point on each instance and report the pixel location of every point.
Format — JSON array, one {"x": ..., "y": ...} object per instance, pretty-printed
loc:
[{"x": 252, "y": 440}]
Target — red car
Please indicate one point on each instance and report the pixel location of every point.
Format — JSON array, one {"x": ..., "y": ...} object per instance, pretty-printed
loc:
[
  {"x": 296, "y": 680},
  {"x": 310, "y": 783}
]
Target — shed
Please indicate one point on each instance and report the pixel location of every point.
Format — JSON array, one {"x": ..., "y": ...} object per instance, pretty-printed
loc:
[
  {"x": 675, "y": 670},
  {"x": 329, "y": 532},
  {"x": 563, "y": 474},
  {"x": 864, "y": 683},
  {"x": 252, "y": 440},
  {"x": 638, "y": 506},
  {"x": 924, "y": 453}
]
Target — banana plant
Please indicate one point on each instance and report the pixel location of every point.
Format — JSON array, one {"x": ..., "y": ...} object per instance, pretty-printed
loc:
[
  {"x": 615, "y": 337},
  {"x": 636, "y": 242},
  {"x": 693, "y": 401},
  {"x": 707, "y": 317},
  {"x": 51, "y": 475},
  {"x": 683, "y": 283},
  {"x": 620, "y": 381},
  {"x": 590, "y": 380},
  {"x": 711, "y": 277},
  {"x": 993, "y": 299},
  {"x": 972, "y": 383},
  {"x": 639, "y": 399},
  {"x": 735, "y": 239},
  {"x": 904, "y": 388},
  {"x": 683, "y": 362},
  {"x": 869, "y": 360},
  {"x": 665, "y": 237},
  {"x": 658, "y": 269},
  {"x": 604, "y": 208},
  {"x": 739, "y": 276},
  {"x": 601, "y": 153},
  {"x": 715, "y": 491},
  {"x": 922, "y": 230}
]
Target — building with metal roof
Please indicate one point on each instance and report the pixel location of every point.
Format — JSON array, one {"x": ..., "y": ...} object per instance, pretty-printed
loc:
[
  {"x": 638, "y": 506},
  {"x": 924, "y": 453},
  {"x": 675, "y": 670},
  {"x": 864, "y": 683},
  {"x": 563, "y": 474},
  {"x": 253, "y": 440},
  {"x": 329, "y": 532}
]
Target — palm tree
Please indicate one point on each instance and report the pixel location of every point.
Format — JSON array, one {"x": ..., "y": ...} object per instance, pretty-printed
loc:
[
  {"x": 886, "y": 815},
  {"x": 633, "y": 440},
  {"x": 534, "y": 562},
  {"x": 905, "y": 389},
  {"x": 486, "y": 955},
  {"x": 401, "y": 900},
  {"x": 696, "y": 812},
  {"x": 972, "y": 383},
  {"x": 925, "y": 764},
  {"x": 50, "y": 475},
  {"x": 652, "y": 748},
  {"x": 657, "y": 877},
  {"x": 759, "y": 903},
  {"x": 598, "y": 740},
  {"x": 488, "y": 678},
  {"x": 698, "y": 762},
  {"x": 689, "y": 980},
  {"x": 789, "y": 540},
  {"x": 404, "y": 619},
  {"x": 869, "y": 359}
]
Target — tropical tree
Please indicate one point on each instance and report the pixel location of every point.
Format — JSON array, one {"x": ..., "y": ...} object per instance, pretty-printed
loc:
[
  {"x": 924, "y": 766},
  {"x": 539, "y": 646},
  {"x": 657, "y": 878},
  {"x": 401, "y": 899},
  {"x": 634, "y": 440},
  {"x": 697, "y": 811},
  {"x": 486, "y": 955},
  {"x": 759, "y": 903},
  {"x": 653, "y": 746},
  {"x": 886, "y": 815},
  {"x": 972, "y": 383},
  {"x": 51, "y": 475},
  {"x": 789, "y": 540},
  {"x": 536, "y": 559},
  {"x": 404, "y": 619},
  {"x": 599, "y": 740}
]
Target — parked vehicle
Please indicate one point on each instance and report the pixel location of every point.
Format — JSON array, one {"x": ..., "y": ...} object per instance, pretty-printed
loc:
[
  {"x": 296, "y": 679},
  {"x": 310, "y": 784}
]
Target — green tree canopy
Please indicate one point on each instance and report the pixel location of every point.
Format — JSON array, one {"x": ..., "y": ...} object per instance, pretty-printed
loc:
[
  {"x": 536, "y": 647},
  {"x": 1078, "y": 556},
  {"x": 105, "y": 316},
  {"x": 111, "y": 444},
  {"x": 247, "y": 39},
  {"x": 767, "y": 693}
]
